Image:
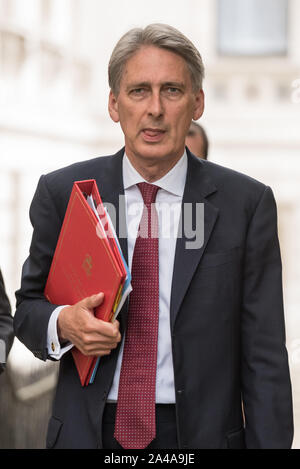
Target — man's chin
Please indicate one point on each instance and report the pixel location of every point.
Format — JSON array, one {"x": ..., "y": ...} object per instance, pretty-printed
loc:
[{"x": 155, "y": 151}]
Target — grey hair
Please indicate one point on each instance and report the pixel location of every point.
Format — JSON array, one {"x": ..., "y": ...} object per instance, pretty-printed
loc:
[{"x": 158, "y": 35}]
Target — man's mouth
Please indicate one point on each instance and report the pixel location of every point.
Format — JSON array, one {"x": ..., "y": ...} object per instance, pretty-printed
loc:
[{"x": 153, "y": 135}]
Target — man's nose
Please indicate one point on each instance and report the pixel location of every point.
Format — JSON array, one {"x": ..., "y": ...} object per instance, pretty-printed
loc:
[{"x": 155, "y": 106}]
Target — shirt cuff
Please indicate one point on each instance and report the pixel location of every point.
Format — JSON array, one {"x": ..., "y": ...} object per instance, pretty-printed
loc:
[{"x": 55, "y": 349}]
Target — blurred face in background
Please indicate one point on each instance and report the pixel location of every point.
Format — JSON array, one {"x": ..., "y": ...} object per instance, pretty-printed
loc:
[
  {"x": 155, "y": 106},
  {"x": 196, "y": 141}
]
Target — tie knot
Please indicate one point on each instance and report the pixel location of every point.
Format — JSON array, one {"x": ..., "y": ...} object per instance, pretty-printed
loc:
[{"x": 148, "y": 192}]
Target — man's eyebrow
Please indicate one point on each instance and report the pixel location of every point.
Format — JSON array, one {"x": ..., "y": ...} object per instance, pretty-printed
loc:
[
  {"x": 146, "y": 84},
  {"x": 141, "y": 84},
  {"x": 175, "y": 84}
]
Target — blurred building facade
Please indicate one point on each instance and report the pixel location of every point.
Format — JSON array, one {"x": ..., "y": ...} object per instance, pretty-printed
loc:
[{"x": 53, "y": 112}]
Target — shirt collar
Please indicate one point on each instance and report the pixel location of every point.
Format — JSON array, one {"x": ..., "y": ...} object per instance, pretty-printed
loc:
[{"x": 173, "y": 181}]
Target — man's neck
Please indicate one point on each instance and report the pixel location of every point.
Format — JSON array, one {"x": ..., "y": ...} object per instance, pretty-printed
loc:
[{"x": 152, "y": 171}]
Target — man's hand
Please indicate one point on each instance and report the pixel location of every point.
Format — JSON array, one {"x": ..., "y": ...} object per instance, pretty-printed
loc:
[{"x": 90, "y": 335}]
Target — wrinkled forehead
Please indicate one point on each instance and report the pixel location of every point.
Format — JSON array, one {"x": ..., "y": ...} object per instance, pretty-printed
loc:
[{"x": 154, "y": 65}]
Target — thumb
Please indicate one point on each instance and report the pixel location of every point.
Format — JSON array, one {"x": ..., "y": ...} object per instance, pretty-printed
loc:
[{"x": 93, "y": 301}]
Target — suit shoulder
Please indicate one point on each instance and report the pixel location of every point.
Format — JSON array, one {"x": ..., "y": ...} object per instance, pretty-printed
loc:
[
  {"x": 58, "y": 184},
  {"x": 238, "y": 191},
  {"x": 77, "y": 171},
  {"x": 227, "y": 179}
]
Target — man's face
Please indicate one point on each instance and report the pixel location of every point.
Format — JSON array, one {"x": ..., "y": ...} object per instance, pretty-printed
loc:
[
  {"x": 195, "y": 143},
  {"x": 155, "y": 105}
]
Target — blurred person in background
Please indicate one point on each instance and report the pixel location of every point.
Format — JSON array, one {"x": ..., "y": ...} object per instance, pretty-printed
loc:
[
  {"x": 220, "y": 344},
  {"x": 6, "y": 325},
  {"x": 197, "y": 140}
]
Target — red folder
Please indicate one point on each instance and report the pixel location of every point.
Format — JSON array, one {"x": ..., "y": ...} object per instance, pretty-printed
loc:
[{"x": 86, "y": 261}]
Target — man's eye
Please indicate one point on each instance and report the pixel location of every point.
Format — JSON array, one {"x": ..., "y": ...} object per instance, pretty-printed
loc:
[
  {"x": 138, "y": 91},
  {"x": 172, "y": 91}
]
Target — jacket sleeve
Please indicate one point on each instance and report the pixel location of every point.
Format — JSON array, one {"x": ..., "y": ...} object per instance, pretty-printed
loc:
[
  {"x": 6, "y": 325},
  {"x": 266, "y": 387},
  {"x": 33, "y": 311}
]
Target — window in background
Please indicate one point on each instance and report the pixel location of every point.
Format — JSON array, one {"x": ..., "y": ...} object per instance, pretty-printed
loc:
[
  {"x": 45, "y": 12},
  {"x": 252, "y": 27},
  {"x": 12, "y": 53},
  {"x": 6, "y": 9}
]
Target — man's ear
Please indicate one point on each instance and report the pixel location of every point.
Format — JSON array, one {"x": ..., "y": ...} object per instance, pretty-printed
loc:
[
  {"x": 113, "y": 107},
  {"x": 199, "y": 105}
]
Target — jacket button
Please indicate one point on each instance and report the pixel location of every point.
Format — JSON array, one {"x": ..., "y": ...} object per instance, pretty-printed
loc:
[{"x": 180, "y": 391}]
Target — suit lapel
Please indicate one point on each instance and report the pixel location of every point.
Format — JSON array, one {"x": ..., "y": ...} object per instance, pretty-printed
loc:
[
  {"x": 198, "y": 186},
  {"x": 111, "y": 188}
]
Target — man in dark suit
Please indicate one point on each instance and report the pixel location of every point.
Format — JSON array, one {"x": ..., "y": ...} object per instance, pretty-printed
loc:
[
  {"x": 197, "y": 358},
  {"x": 6, "y": 325}
]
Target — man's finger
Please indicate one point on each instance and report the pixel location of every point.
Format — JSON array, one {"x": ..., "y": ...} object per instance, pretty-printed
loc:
[
  {"x": 107, "y": 329},
  {"x": 93, "y": 301}
]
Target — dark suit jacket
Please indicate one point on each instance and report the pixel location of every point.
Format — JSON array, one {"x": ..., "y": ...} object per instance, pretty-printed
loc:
[
  {"x": 6, "y": 325},
  {"x": 226, "y": 314}
]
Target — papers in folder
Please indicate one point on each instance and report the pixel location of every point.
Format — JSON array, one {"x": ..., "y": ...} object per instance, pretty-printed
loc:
[
  {"x": 88, "y": 259},
  {"x": 127, "y": 288}
]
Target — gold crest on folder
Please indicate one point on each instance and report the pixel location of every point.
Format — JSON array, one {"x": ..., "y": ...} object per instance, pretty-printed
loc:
[{"x": 87, "y": 265}]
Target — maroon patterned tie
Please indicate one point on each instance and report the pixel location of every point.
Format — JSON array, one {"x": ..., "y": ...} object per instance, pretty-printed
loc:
[{"x": 135, "y": 417}]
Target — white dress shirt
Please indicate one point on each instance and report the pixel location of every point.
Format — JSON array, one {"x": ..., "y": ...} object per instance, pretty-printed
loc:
[{"x": 168, "y": 205}]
